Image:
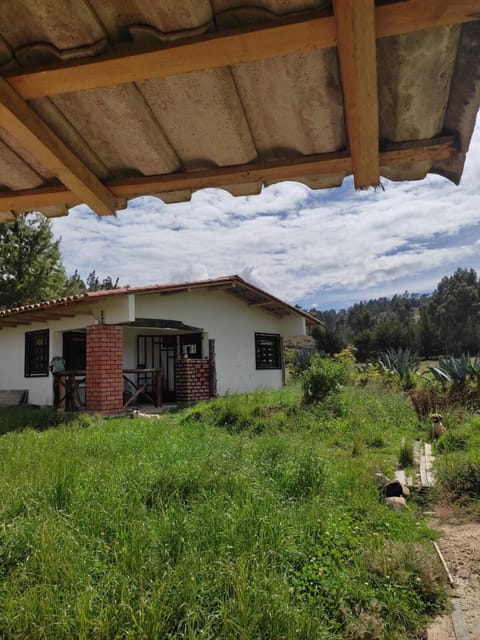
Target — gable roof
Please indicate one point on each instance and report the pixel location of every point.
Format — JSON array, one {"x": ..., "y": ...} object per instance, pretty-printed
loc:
[
  {"x": 105, "y": 100},
  {"x": 68, "y": 306}
]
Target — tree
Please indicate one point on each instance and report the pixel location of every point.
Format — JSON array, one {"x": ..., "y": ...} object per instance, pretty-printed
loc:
[
  {"x": 31, "y": 267},
  {"x": 455, "y": 306},
  {"x": 94, "y": 283},
  {"x": 428, "y": 339},
  {"x": 74, "y": 284}
]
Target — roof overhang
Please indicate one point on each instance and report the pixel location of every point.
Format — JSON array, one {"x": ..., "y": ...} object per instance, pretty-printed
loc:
[
  {"x": 369, "y": 89},
  {"x": 71, "y": 306}
]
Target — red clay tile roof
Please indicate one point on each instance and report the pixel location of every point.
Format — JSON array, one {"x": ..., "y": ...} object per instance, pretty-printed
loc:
[{"x": 235, "y": 284}]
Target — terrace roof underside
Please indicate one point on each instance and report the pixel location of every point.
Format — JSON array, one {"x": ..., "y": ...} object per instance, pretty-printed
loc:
[{"x": 102, "y": 101}]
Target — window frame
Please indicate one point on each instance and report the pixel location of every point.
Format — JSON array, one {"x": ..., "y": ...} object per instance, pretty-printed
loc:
[
  {"x": 261, "y": 363},
  {"x": 36, "y": 354}
]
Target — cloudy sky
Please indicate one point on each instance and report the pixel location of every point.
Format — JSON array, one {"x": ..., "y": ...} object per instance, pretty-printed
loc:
[{"x": 326, "y": 248}]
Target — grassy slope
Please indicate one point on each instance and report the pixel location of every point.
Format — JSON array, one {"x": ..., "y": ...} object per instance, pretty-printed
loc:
[{"x": 249, "y": 517}]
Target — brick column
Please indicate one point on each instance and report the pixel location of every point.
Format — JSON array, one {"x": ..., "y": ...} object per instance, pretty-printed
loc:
[
  {"x": 104, "y": 368},
  {"x": 192, "y": 380}
]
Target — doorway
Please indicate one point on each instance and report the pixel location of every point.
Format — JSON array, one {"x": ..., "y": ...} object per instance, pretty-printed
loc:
[
  {"x": 75, "y": 350},
  {"x": 158, "y": 352}
]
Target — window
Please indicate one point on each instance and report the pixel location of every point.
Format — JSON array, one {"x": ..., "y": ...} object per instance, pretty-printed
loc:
[
  {"x": 36, "y": 353},
  {"x": 267, "y": 351}
]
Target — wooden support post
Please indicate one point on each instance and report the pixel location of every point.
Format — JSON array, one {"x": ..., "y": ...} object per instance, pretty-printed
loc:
[
  {"x": 212, "y": 371},
  {"x": 158, "y": 388},
  {"x": 358, "y": 66}
]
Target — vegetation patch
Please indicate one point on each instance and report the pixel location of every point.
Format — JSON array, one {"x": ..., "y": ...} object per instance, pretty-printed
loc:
[{"x": 245, "y": 517}]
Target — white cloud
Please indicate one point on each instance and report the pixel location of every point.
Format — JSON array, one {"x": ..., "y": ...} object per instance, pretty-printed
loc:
[{"x": 324, "y": 247}]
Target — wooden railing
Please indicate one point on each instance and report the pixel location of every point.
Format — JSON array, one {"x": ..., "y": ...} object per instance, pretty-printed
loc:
[
  {"x": 69, "y": 388},
  {"x": 148, "y": 383}
]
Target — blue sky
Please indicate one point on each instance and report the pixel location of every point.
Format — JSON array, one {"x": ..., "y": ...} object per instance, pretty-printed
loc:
[{"x": 326, "y": 248}]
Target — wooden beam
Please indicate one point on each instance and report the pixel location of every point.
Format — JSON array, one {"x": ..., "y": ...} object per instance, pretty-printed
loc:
[
  {"x": 261, "y": 304},
  {"x": 12, "y": 323},
  {"x": 193, "y": 54},
  {"x": 322, "y": 164},
  {"x": 47, "y": 315},
  {"x": 315, "y": 31},
  {"x": 29, "y": 129},
  {"x": 414, "y": 15},
  {"x": 358, "y": 67}
]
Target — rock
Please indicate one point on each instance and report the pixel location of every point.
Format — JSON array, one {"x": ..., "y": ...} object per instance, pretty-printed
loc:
[
  {"x": 397, "y": 503},
  {"x": 381, "y": 479}
]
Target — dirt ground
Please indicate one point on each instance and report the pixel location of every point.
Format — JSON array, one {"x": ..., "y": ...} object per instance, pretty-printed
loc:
[{"x": 460, "y": 546}]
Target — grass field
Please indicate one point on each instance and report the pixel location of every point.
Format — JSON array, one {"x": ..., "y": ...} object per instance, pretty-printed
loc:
[{"x": 247, "y": 517}]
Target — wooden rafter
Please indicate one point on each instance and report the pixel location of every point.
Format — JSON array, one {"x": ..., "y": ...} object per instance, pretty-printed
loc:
[
  {"x": 47, "y": 315},
  {"x": 29, "y": 129},
  {"x": 13, "y": 323},
  {"x": 316, "y": 31},
  {"x": 358, "y": 67},
  {"x": 321, "y": 164},
  {"x": 261, "y": 304}
]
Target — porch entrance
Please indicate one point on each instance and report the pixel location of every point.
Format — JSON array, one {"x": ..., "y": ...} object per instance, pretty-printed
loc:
[{"x": 161, "y": 352}]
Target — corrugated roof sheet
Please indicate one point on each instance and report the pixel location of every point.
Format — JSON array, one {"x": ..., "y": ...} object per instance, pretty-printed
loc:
[{"x": 262, "y": 117}]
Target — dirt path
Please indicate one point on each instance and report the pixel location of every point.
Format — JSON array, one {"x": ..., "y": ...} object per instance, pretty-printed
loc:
[{"x": 460, "y": 546}]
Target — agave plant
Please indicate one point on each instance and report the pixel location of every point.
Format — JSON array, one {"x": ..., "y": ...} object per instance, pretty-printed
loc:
[
  {"x": 300, "y": 360},
  {"x": 456, "y": 370},
  {"x": 474, "y": 369},
  {"x": 402, "y": 362}
]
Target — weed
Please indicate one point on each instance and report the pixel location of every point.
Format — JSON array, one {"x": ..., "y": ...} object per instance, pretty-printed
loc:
[
  {"x": 453, "y": 441},
  {"x": 460, "y": 475},
  {"x": 405, "y": 456}
]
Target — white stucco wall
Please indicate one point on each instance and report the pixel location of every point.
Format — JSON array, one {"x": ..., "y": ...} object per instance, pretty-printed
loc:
[
  {"x": 12, "y": 356},
  {"x": 12, "y": 346},
  {"x": 232, "y": 324},
  {"x": 225, "y": 318}
]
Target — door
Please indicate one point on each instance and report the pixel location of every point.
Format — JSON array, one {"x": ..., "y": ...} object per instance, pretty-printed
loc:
[
  {"x": 75, "y": 350},
  {"x": 158, "y": 352}
]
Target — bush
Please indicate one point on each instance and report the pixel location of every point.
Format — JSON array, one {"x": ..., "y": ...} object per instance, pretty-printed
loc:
[{"x": 322, "y": 378}]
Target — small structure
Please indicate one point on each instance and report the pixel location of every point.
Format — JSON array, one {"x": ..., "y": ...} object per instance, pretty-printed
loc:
[{"x": 160, "y": 343}]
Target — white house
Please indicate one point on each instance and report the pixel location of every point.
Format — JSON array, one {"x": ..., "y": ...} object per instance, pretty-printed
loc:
[{"x": 176, "y": 342}]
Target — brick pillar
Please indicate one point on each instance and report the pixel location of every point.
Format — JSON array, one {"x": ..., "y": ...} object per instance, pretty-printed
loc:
[
  {"x": 104, "y": 368},
  {"x": 192, "y": 380}
]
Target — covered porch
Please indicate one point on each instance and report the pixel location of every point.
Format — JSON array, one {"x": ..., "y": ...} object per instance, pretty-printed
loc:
[{"x": 111, "y": 368}]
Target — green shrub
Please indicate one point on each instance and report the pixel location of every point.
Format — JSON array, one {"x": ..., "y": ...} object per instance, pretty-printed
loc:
[{"x": 322, "y": 378}]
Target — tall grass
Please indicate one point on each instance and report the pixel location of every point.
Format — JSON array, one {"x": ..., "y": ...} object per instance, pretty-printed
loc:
[
  {"x": 17, "y": 418},
  {"x": 459, "y": 459},
  {"x": 246, "y": 517}
]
